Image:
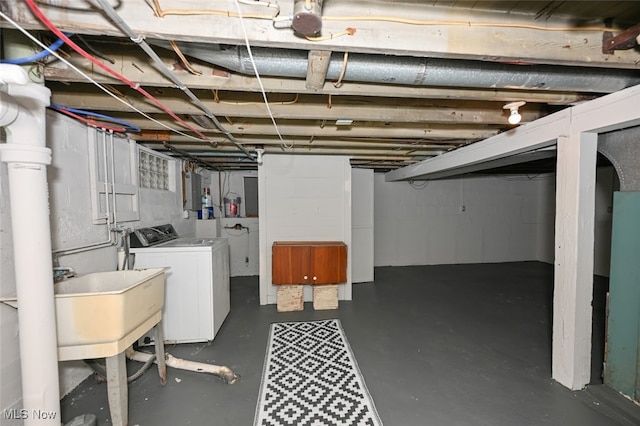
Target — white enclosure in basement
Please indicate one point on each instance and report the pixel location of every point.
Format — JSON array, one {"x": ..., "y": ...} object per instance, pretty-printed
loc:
[{"x": 304, "y": 197}]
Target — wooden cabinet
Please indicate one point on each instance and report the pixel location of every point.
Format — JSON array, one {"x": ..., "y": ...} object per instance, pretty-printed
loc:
[{"x": 309, "y": 262}]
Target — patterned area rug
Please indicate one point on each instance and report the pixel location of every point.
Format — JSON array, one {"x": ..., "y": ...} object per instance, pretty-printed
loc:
[{"x": 311, "y": 378}]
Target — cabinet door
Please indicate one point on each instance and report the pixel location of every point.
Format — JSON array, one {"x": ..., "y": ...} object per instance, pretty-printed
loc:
[
  {"x": 329, "y": 264},
  {"x": 290, "y": 264}
]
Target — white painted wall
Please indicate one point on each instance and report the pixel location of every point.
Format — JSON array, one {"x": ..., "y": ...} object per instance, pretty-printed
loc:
[
  {"x": 606, "y": 183},
  {"x": 229, "y": 184},
  {"x": 243, "y": 244},
  {"x": 244, "y": 249},
  {"x": 10, "y": 380},
  {"x": 424, "y": 223},
  {"x": 362, "y": 234},
  {"x": 545, "y": 250},
  {"x": 70, "y": 208},
  {"x": 303, "y": 198}
]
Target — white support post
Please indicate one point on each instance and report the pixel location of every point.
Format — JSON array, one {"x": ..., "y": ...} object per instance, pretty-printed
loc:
[{"x": 575, "y": 206}]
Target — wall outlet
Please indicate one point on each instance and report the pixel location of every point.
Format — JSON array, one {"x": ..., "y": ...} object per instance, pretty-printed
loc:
[{"x": 463, "y": 208}]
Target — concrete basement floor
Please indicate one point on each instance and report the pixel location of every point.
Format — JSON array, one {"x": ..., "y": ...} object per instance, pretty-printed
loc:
[{"x": 437, "y": 345}]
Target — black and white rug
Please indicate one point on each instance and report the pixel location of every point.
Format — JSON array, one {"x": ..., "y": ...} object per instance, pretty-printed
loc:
[{"x": 311, "y": 378}]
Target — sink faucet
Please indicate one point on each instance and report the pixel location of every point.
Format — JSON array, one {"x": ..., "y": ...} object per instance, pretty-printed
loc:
[{"x": 62, "y": 273}]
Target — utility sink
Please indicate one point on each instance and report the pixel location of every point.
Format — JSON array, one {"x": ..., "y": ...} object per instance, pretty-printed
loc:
[{"x": 101, "y": 314}]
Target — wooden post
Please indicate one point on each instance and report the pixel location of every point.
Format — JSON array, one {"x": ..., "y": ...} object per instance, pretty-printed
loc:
[{"x": 573, "y": 291}]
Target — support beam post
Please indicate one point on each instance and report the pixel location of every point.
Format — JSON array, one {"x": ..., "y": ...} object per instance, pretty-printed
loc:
[
  {"x": 573, "y": 289},
  {"x": 317, "y": 68}
]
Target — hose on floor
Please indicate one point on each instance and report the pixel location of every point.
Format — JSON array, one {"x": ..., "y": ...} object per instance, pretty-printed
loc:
[{"x": 100, "y": 370}]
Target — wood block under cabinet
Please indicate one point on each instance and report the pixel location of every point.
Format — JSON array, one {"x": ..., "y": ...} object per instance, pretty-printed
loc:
[
  {"x": 290, "y": 298},
  {"x": 325, "y": 296}
]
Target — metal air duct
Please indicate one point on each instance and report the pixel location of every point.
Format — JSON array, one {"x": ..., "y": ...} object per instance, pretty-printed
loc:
[{"x": 408, "y": 70}]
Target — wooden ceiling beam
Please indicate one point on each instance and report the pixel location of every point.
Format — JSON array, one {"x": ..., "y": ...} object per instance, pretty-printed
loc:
[
  {"x": 301, "y": 143},
  {"x": 316, "y": 128},
  {"x": 427, "y": 30},
  {"x": 129, "y": 63},
  {"x": 401, "y": 112}
]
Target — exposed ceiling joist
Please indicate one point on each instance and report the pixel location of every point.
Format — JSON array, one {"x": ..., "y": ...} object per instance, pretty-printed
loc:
[
  {"x": 450, "y": 31},
  {"x": 307, "y": 107},
  {"x": 445, "y": 104},
  {"x": 129, "y": 62}
]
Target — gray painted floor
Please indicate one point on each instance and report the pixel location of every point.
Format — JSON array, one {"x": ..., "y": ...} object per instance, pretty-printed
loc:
[{"x": 437, "y": 345}]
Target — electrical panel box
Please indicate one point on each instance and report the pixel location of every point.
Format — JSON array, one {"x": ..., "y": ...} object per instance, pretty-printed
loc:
[{"x": 192, "y": 191}]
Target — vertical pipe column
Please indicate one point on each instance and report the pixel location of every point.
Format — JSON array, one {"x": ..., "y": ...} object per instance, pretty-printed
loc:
[{"x": 27, "y": 157}]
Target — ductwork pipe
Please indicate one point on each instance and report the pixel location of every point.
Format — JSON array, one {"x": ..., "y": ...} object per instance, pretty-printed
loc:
[
  {"x": 22, "y": 113},
  {"x": 416, "y": 71},
  {"x": 222, "y": 371}
]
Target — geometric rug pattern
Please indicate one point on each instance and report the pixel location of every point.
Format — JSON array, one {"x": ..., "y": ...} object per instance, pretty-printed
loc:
[{"x": 310, "y": 378}]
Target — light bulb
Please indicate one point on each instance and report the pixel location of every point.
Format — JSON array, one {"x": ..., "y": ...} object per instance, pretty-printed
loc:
[{"x": 514, "y": 117}]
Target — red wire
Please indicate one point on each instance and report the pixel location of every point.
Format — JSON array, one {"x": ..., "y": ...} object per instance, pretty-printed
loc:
[
  {"x": 36, "y": 11},
  {"x": 91, "y": 122}
]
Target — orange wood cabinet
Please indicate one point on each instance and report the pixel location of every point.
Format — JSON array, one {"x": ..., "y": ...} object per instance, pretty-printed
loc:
[{"x": 309, "y": 262}]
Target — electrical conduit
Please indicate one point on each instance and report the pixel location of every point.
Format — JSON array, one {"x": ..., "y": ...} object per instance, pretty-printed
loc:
[
  {"x": 40, "y": 55},
  {"x": 139, "y": 40},
  {"x": 135, "y": 86},
  {"x": 22, "y": 113}
]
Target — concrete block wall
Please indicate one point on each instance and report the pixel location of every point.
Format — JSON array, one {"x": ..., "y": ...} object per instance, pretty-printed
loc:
[
  {"x": 70, "y": 211},
  {"x": 462, "y": 220},
  {"x": 303, "y": 198},
  {"x": 243, "y": 243},
  {"x": 606, "y": 184},
  {"x": 229, "y": 185},
  {"x": 10, "y": 380}
]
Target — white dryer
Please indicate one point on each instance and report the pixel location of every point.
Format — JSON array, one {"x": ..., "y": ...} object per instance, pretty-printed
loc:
[{"x": 197, "y": 298}]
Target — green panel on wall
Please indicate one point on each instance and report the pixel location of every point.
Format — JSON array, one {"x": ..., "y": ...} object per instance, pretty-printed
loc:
[{"x": 623, "y": 329}]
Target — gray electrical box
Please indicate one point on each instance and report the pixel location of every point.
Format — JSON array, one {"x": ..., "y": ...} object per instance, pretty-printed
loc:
[{"x": 192, "y": 191}]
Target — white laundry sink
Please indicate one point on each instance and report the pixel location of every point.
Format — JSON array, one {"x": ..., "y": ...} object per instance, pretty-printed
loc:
[{"x": 103, "y": 313}]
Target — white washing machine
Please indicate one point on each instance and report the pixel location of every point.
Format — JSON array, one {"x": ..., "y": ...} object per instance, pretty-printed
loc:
[{"x": 197, "y": 298}]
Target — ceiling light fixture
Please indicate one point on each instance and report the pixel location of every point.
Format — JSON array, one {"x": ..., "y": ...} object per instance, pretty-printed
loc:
[
  {"x": 514, "y": 115},
  {"x": 259, "y": 152},
  {"x": 344, "y": 122}
]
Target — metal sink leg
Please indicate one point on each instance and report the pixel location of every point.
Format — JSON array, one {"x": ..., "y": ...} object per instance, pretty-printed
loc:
[{"x": 160, "y": 357}]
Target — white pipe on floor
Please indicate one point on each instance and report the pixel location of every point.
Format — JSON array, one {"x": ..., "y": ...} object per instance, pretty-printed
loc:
[
  {"x": 219, "y": 370},
  {"x": 27, "y": 157}
]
